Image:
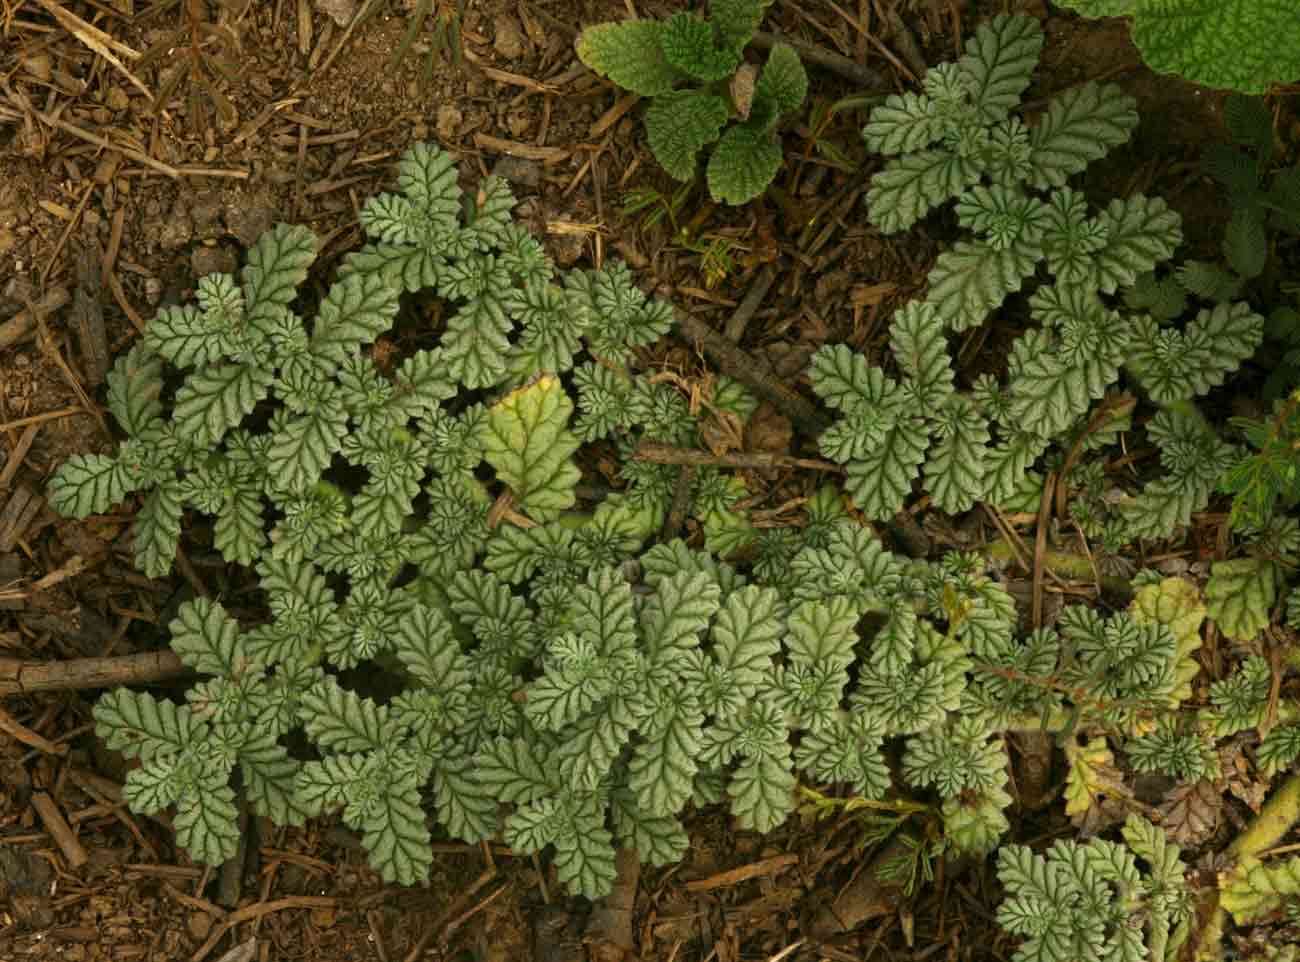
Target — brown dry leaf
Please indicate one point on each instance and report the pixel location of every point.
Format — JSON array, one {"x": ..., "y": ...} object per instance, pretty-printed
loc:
[
  {"x": 769, "y": 431},
  {"x": 742, "y": 89},
  {"x": 1192, "y": 812}
]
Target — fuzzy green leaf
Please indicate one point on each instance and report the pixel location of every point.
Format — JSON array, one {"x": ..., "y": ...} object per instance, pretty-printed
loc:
[
  {"x": 631, "y": 55},
  {"x": 742, "y": 165},
  {"x": 1239, "y": 596},
  {"x": 679, "y": 124},
  {"x": 135, "y": 382},
  {"x": 974, "y": 278},
  {"x": 1000, "y": 59},
  {"x": 276, "y": 265},
  {"x": 357, "y": 309},
  {"x": 687, "y": 44},
  {"x": 783, "y": 82}
]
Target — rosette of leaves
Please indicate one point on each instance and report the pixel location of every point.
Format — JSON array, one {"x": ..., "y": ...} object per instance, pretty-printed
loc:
[
  {"x": 961, "y": 131},
  {"x": 1244, "y": 45},
  {"x": 959, "y": 140},
  {"x": 703, "y": 93},
  {"x": 231, "y": 722},
  {"x": 1094, "y": 901}
]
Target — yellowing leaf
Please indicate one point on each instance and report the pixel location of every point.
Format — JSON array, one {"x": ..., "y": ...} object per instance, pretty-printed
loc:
[
  {"x": 1092, "y": 775},
  {"x": 526, "y": 438},
  {"x": 1176, "y": 604}
]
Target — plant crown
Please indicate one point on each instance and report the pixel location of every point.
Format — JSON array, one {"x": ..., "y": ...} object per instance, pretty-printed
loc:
[{"x": 702, "y": 92}]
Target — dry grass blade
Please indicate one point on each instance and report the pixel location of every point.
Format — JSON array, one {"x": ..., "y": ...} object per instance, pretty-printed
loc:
[{"x": 98, "y": 41}]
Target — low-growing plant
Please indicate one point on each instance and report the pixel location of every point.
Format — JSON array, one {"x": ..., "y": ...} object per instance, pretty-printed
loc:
[
  {"x": 703, "y": 92},
  {"x": 1244, "y": 45},
  {"x": 959, "y": 140}
]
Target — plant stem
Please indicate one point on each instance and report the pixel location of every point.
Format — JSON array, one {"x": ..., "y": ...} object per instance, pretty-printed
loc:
[{"x": 1266, "y": 829}]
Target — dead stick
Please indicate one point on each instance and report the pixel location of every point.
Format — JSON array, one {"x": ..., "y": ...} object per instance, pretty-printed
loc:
[
  {"x": 749, "y": 306},
  {"x": 756, "y": 460},
  {"x": 754, "y": 374},
  {"x": 23, "y": 324},
  {"x": 16, "y": 729},
  {"x": 59, "y": 829},
  {"x": 1040, "y": 548},
  {"x": 18, "y": 676},
  {"x": 842, "y": 66},
  {"x": 256, "y": 911},
  {"x": 681, "y": 503}
]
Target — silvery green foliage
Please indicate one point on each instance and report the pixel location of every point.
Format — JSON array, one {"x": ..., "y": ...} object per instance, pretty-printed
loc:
[
  {"x": 333, "y": 474},
  {"x": 510, "y": 319},
  {"x": 1096, "y": 901},
  {"x": 959, "y": 140}
]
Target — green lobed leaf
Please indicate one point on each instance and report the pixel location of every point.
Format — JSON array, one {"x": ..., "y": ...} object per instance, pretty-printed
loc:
[
  {"x": 142, "y": 726},
  {"x": 87, "y": 484},
  {"x": 1243, "y": 45},
  {"x": 526, "y": 438},
  {"x": 214, "y": 400},
  {"x": 974, "y": 277},
  {"x": 357, "y": 309},
  {"x": 999, "y": 61},
  {"x": 276, "y": 265},
  {"x": 687, "y": 44},
  {"x": 783, "y": 81},
  {"x": 1081, "y": 125},
  {"x": 207, "y": 825},
  {"x": 135, "y": 382}
]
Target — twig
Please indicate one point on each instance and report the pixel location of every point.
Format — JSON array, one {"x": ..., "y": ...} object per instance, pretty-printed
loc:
[
  {"x": 17, "y": 730},
  {"x": 41, "y": 418},
  {"x": 675, "y": 516},
  {"x": 1040, "y": 547},
  {"x": 852, "y": 71},
  {"x": 417, "y": 950},
  {"x": 18, "y": 676},
  {"x": 755, "y": 460},
  {"x": 18, "y": 454},
  {"x": 250, "y": 912},
  {"x": 768, "y": 866},
  {"x": 749, "y": 306},
  {"x": 1112, "y": 406},
  {"x": 59, "y": 829},
  {"x": 754, "y": 374},
  {"x": 98, "y": 41},
  {"x": 23, "y": 324},
  {"x": 175, "y": 173}
]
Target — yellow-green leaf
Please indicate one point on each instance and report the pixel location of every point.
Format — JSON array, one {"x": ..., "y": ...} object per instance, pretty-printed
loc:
[
  {"x": 1176, "y": 604},
  {"x": 1239, "y": 595},
  {"x": 526, "y": 438}
]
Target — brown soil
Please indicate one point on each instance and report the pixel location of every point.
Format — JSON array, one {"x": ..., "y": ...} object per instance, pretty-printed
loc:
[{"x": 306, "y": 126}]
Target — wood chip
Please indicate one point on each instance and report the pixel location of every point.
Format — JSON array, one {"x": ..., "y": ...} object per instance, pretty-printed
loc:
[
  {"x": 18, "y": 512},
  {"x": 54, "y": 822},
  {"x": 17, "y": 455},
  {"x": 768, "y": 866},
  {"x": 88, "y": 313},
  {"x": 547, "y": 155}
]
